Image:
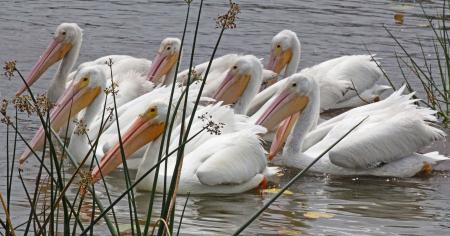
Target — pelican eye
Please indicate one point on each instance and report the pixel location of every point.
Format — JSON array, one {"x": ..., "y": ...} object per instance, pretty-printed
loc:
[
  {"x": 85, "y": 79},
  {"x": 63, "y": 33},
  {"x": 278, "y": 46},
  {"x": 294, "y": 85},
  {"x": 168, "y": 48},
  {"x": 152, "y": 109},
  {"x": 235, "y": 67}
]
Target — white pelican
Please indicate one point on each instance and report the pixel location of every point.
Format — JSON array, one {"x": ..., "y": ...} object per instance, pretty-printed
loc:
[
  {"x": 66, "y": 45},
  {"x": 232, "y": 162},
  {"x": 85, "y": 91},
  {"x": 238, "y": 148},
  {"x": 91, "y": 117},
  {"x": 383, "y": 145},
  {"x": 79, "y": 145},
  {"x": 134, "y": 76},
  {"x": 338, "y": 78},
  {"x": 241, "y": 83},
  {"x": 219, "y": 67}
]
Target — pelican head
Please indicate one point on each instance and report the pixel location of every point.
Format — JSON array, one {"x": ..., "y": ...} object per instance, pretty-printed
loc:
[
  {"x": 66, "y": 37},
  {"x": 147, "y": 127},
  {"x": 242, "y": 81},
  {"x": 268, "y": 78},
  {"x": 165, "y": 60},
  {"x": 284, "y": 53},
  {"x": 287, "y": 106},
  {"x": 87, "y": 85}
]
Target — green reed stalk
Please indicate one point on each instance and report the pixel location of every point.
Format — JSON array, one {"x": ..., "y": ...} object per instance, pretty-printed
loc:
[
  {"x": 98, "y": 202},
  {"x": 8, "y": 190},
  {"x": 59, "y": 180},
  {"x": 131, "y": 202},
  {"x": 14, "y": 155},
  {"x": 74, "y": 230},
  {"x": 102, "y": 126},
  {"x": 438, "y": 96},
  {"x": 33, "y": 212},
  {"x": 292, "y": 181},
  {"x": 169, "y": 130},
  {"x": 379, "y": 67},
  {"x": 53, "y": 155},
  {"x": 52, "y": 186},
  {"x": 36, "y": 193},
  {"x": 104, "y": 212},
  {"x": 174, "y": 182},
  {"x": 182, "y": 213}
]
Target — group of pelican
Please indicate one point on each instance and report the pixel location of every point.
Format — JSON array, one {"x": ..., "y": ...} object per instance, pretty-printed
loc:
[{"x": 247, "y": 99}]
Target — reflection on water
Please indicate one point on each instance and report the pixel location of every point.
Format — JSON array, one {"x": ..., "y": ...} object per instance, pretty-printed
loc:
[{"x": 327, "y": 29}]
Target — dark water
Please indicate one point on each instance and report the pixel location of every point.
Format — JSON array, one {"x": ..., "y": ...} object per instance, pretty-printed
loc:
[{"x": 327, "y": 29}]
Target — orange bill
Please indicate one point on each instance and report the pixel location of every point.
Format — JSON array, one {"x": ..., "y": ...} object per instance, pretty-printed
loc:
[
  {"x": 77, "y": 97},
  {"x": 232, "y": 88},
  {"x": 54, "y": 52},
  {"x": 142, "y": 131}
]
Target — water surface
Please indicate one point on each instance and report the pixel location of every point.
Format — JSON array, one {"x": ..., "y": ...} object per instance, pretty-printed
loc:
[{"x": 327, "y": 29}]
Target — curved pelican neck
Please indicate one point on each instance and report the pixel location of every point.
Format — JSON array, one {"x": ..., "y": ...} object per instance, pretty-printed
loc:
[
  {"x": 168, "y": 80},
  {"x": 79, "y": 144},
  {"x": 306, "y": 122},
  {"x": 149, "y": 159},
  {"x": 59, "y": 80},
  {"x": 242, "y": 105},
  {"x": 292, "y": 67}
]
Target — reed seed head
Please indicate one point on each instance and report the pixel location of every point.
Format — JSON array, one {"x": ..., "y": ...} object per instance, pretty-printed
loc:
[
  {"x": 211, "y": 126},
  {"x": 114, "y": 88},
  {"x": 228, "y": 20},
  {"x": 9, "y": 68},
  {"x": 195, "y": 76},
  {"x": 81, "y": 127},
  {"x": 43, "y": 103},
  {"x": 3, "y": 110},
  {"x": 85, "y": 181},
  {"x": 23, "y": 104}
]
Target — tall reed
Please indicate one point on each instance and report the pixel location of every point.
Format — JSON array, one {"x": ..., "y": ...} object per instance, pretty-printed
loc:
[
  {"x": 431, "y": 70},
  {"x": 45, "y": 217}
]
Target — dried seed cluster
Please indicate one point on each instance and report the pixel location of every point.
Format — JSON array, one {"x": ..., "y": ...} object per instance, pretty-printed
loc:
[
  {"x": 3, "y": 109},
  {"x": 195, "y": 75},
  {"x": 227, "y": 21},
  {"x": 211, "y": 126},
  {"x": 24, "y": 104},
  {"x": 110, "y": 111},
  {"x": 9, "y": 68},
  {"x": 42, "y": 103},
  {"x": 112, "y": 89},
  {"x": 81, "y": 127},
  {"x": 85, "y": 180},
  {"x": 109, "y": 62}
]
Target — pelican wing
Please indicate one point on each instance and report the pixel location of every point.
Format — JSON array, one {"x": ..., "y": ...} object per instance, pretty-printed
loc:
[
  {"x": 383, "y": 138},
  {"x": 218, "y": 66},
  {"x": 230, "y": 159},
  {"x": 223, "y": 116},
  {"x": 338, "y": 78}
]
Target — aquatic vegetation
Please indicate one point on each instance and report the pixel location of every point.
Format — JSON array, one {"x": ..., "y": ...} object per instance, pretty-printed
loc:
[
  {"x": 54, "y": 203},
  {"x": 430, "y": 69}
]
